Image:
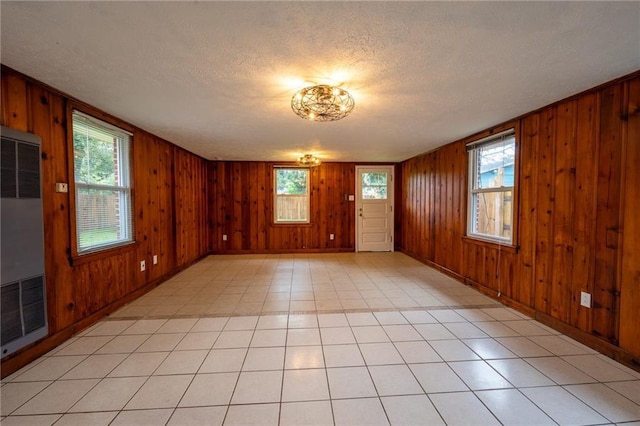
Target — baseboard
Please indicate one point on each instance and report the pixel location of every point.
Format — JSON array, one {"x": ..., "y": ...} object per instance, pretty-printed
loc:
[
  {"x": 285, "y": 251},
  {"x": 594, "y": 342}
]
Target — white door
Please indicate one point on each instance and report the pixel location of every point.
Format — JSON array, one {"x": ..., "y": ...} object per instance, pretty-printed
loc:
[{"x": 374, "y": 208}]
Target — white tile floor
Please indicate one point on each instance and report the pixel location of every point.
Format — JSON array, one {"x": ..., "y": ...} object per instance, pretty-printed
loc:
[{"x": 320, "y": 339}]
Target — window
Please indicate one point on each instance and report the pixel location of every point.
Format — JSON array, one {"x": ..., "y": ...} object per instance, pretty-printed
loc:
[
  {"x": 291, "y": 195},
  {"x": 491, "y": 184},
  {"x": 102, "y": 184},
  {"x": 374, "y": 186}
]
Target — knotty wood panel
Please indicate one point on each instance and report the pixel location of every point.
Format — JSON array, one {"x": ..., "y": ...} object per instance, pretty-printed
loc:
[
  {"x": 153, "y": 200},
  {"x": 450, "y": 171},
  {"x": 104, "y": 281},
  {"x": 48, "y": 121},
  {"x": 528, "y": 185},
  {"x": 170, "y": 209},
  {"x": 190, "y": 198},
  {"x": 577, "y": 217},
  {"x": 630, "y": 274},
  {"x": 241, "y": 207},
  {"x": 563, "y": 214},
  {"x": 544, "y": 201},
  {"x": 14, "y": 102},
  {"x": 606, "y": 287},
  {"x": 584, "y": 210}
]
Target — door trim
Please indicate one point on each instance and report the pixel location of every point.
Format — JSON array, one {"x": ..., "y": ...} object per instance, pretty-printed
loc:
[{"x": 391, "y": 188}]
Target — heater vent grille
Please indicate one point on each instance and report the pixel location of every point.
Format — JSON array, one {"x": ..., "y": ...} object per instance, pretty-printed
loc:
[
  {"x": 22, "y": 308},
  {"x": 20, "y": 167},
  {"x": 23, "y": 304}
]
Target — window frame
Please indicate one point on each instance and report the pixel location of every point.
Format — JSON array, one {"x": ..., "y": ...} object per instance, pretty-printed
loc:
[
  {"x": 276, "y": 196},
  {"x": 472, "y": 191},
  {"x": 81, "y": 255}
]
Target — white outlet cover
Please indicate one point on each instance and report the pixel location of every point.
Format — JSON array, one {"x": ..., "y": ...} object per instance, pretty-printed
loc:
[
  {"x": 143, "y": 266},
  {"x": 155, "y": 259},
  {"x": 585, "y": 299}
]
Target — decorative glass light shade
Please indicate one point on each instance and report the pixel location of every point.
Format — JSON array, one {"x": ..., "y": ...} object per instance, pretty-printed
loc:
[
  {"x": 322, "y": 103},
  {"x": 308, "y": 160}
]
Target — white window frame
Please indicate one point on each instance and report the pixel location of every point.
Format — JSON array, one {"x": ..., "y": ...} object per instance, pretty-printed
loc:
[
  {"x": 474, "y": 190},
  {"x": 276, "y": 196},
  {"x": 122, "y": 187}
]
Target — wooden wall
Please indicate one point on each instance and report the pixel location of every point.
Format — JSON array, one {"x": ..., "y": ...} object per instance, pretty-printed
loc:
[
  {"x": 629, "y": 272},
  {"x": 577, "y": 225},
  {"x": 169, "y": 190},
  {"x": 190, "y": 202},
  {"x": 241, "y": 207},
  {"x": 578, "y": 221}
]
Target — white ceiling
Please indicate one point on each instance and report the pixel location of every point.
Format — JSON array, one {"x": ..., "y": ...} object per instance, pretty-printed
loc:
[{"x": 217, "y": 77}]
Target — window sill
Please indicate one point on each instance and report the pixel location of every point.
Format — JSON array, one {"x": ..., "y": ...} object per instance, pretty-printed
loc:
[
  {"x": 292, "y": 225},
  {"x": 509, "y": 248},
  {"x": 81, "y": 259}
]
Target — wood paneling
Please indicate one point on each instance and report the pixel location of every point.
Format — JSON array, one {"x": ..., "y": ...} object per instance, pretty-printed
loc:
[
  {"x": 577, "y": 218},
  {"x": 153, "y": 200},
  {"x": 544, "y": 159},
  {"x": 48, "y": 120},
  {"x": 14, "y": 103},
  {"x": 606, "y": 287},
  {"x": 241, "y": 206},
  {"x": 190, "y": 200},
  {"x": 584, "y": 209},
  {"x": 630, "y": 265},
  {"x": 170, "y": 211},
  {"x": 417, "y": 205},
  {"x": 528, "y": 185}
]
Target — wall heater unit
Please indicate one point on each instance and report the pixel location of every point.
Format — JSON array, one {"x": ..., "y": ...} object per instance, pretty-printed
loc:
[{"x": 23, "y": 298}]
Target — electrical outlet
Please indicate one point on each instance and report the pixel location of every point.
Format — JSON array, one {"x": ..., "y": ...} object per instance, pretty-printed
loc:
[
  {"x": 143, "y": 266},
  {"x": 224, "y": 237},
  {"x": 155, "y": 259},
  {"x": 331, "y": 236},
  {"x": 585, "y": 299}
]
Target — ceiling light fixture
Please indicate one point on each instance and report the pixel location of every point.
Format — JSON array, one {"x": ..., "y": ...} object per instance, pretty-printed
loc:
[
  {"x": 322, "y": 103},
  {"x": 308, "y": 160}
]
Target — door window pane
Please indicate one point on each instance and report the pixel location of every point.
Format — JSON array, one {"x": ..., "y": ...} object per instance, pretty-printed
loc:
[{"x": 374, "y": 186}]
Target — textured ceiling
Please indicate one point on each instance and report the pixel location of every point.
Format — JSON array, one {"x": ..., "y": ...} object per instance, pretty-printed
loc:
[{"x": 217, "y": 77}]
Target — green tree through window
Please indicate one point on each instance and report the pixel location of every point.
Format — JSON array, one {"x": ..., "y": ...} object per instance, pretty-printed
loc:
[
  {"x": 292, "y": 181},
  {"x": 374, "y": 186},
  {"x": 94, "y": 158},
  {"x": 292, "y": 195},
  {"x": 102, "y": 184}
]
